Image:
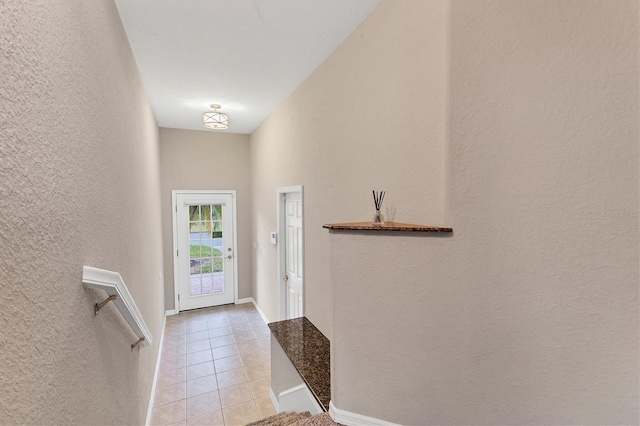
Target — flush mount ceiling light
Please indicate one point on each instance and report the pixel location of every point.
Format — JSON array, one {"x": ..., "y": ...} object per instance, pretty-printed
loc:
[{"x": 215, "y": 119}]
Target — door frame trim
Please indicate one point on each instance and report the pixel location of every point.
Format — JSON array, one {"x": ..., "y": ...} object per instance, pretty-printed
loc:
[
  {"x": 281, "y": 218},
  {"x": 234, "y": 223}
]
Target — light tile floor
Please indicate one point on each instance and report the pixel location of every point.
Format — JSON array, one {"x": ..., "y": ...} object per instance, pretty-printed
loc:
[{"x": 215, "y": 368}]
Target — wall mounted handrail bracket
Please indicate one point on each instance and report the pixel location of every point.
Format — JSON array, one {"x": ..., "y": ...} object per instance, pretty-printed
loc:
[
  {"x": 140, "y": 340},
  {"x": 100, "y": 305},
  {"x": 113, "y": 284}
]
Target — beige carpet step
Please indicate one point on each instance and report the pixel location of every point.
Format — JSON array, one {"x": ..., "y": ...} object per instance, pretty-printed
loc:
[
  {"x": 296, "y": 419},
  {"x": 282, "y": 419},
  {"x": 323, "y": 419}
]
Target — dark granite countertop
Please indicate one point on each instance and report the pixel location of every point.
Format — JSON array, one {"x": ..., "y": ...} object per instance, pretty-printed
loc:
[{"x": 309, "y": 351}]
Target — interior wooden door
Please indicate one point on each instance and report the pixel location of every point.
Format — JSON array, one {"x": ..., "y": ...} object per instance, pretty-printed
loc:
[{"x": 293, "y": 255}]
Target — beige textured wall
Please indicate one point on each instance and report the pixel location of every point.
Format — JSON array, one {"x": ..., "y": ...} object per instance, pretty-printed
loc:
[
  {"x": 79, "y": 186},
  {"x": 190, "y": 159},
  {"x": 528, "y": 314},
  {"x": 372, "y": 116}
]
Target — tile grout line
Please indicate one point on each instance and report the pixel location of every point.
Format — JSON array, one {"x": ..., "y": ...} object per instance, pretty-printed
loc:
[{"x": 218, "y": 383}]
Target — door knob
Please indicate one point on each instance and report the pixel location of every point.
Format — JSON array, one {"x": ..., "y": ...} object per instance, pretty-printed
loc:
[
  {"x": 286, "y": 278},
  {"x": 229, "y": 257}
]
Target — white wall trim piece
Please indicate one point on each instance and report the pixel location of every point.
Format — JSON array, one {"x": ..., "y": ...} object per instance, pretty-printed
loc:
[
  {"x": 274, "y": 400},
  {"x": 264, "y": 317},
  {"x": 244, "y": 300},
  {"x": 171, "y": 312},
  {"x": 299, "y": 399},
  {"x": 352, "y": 419},
  {"x": 155, "y": 374},
  {"x": 114, "y": 285}
]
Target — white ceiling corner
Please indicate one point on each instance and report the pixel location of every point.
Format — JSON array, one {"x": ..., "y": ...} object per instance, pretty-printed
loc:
[{"x": 246, "y": 55}]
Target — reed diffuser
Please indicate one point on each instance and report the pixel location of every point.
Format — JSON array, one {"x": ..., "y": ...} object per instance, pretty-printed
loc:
[{"x": 378, "y": 219}]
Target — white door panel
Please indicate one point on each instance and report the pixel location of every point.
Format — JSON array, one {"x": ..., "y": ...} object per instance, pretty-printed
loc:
[
  {"x": 293, "y": 267},
  {"x": 205, "y": 256}
]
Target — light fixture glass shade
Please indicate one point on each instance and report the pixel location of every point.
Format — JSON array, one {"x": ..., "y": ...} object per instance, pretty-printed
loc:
[{"x": 215, "y": 120}]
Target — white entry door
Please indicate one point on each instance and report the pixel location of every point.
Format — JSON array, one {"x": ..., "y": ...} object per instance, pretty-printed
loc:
[
  {"x": 293, "y": 255},
  {"x": 205, "y": 259}
]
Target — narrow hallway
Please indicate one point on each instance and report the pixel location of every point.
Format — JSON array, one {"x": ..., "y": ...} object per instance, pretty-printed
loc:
[{"x": 215, "y": 368}]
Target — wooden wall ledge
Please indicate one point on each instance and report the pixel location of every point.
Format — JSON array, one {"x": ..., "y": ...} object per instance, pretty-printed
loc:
[{"x": 385, "y": 227}]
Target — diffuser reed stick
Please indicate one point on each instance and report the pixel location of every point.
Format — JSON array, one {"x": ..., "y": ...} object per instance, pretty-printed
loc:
[{"x": 378, "y": 198}]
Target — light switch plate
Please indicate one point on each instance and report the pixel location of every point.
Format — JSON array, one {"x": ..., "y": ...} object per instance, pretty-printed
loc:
[{"x": 274, "y": 238}]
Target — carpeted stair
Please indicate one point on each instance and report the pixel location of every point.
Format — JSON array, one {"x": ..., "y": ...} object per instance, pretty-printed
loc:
[{"x": 296, "y": 419}]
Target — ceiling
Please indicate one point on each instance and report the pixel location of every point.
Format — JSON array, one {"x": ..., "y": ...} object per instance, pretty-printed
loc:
[{"x": 246, "y": 55}]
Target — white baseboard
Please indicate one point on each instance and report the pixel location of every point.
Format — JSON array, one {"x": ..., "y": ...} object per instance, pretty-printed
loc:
[
  {"x": 170, "y": 312},
  {"x": 245, "y": 300},
  {"x": 352, "y": 419},
  {"x": 274, "y": 400},
  {"x": 299, "y": 399},
  {"x": 264, "y": 317},
  {"x": 155, "y": 374}
]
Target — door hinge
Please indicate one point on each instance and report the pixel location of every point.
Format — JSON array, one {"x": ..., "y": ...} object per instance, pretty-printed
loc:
[
  {"x": 178, "y": 298},
  {"x": 176, "y": 208},
  {"x": 284, "y": 198},
  {"x": 177, "y": 251}
]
